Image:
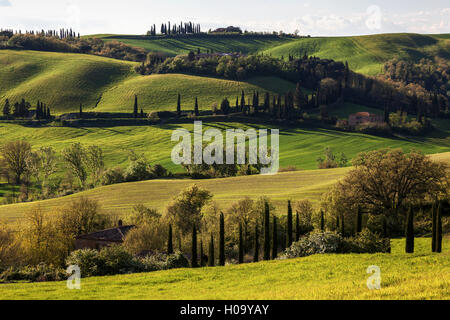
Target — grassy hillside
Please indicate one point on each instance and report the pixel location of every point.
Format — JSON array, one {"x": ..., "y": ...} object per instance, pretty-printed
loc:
[
  {"x": 422, "y": 275},
  {"x": 367, "y": 54},
  {"x": 120, "y": 198},
  {"x": 217, "y": 43},
  {"x": 63, "y": 81},
  {"x": 160, "y": 91}
]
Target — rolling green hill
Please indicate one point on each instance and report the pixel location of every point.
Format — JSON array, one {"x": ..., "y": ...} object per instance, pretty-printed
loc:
[
  {"x": 367, "y": 54},
  {"x": 63, "y": 81},
  {"x": 419, "y": 276},
  {"x": 217, "y": 43},
  {"x": 120, "y": 198}
]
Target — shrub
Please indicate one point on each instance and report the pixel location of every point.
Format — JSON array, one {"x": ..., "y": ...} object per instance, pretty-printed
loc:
[
  {"x": 138, "y": 171},
  {"x": 87, "y": 259},
  {"x": 330, "y": 242},
  {"x": 315, "y": 243},
  {"x": 39, "y": 273},
  {"x": 176, "y": 260},
  {"x": 117, "y": 260},
  {"x": 366, "y": 242},
  {"x": 112, "y": 176}
]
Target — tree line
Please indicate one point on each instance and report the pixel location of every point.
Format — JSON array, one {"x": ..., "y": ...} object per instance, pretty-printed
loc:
[
  {"x": 175, "y": 29},
  {"x": 22, "y": 110},
  {"x": 329, "y": 80}
]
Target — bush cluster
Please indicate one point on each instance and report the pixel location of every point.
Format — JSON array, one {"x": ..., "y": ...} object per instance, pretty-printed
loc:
[
  {"x": 117, "y": 260},
  {"x": 331, "y": 242},
  {"x": 39, "y": 273}
]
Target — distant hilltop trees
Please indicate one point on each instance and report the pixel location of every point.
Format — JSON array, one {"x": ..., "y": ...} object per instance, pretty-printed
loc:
[
  {"x": 229, "y": 29},
  {"x": 60, "y": 34},
  {"x": 176, "y": 29}
]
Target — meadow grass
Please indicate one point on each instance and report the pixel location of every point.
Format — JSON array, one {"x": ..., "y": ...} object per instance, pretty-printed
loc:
[
  {"x": 63, "y": 81},
  {"x": 182, "y": 45},
  {"x": 120, "y": 199},
  {"x": 419, "y": 276},
  {"x": 367, "y": 54}
]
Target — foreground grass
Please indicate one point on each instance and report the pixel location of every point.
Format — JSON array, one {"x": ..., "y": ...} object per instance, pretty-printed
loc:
[{"x": 422, "y": 275}]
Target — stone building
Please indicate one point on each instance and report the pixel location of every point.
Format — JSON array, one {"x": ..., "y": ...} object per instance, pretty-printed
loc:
[{"x": 104, "y": 238}]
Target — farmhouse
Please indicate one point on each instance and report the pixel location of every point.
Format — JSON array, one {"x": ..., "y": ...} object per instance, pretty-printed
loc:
[
  {"x": 364, "y": 117},
  {"x": 104, "y": 238}
]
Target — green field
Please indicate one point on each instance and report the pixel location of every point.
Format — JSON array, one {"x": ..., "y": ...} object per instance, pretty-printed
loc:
[
  {"x": 367, "y": 54},
  {"x": 181, "y": 45},
  {"x": 63, "y": 81},
  {"x": 119, "y": 199},
  {"x": 418, "y": 276}
]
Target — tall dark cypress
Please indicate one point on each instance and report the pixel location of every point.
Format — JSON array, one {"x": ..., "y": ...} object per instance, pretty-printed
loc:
[
  {"x": 266, "y": 231},
  {"x": 170, "y": 241},
  {"x": 179, "y": 106},
  {"x": 358, "y": 227},
  {"x": 337, "y": 223},
  {"x": 409, "y": 232},
  {"x": 194, "y": 258},
  {"x": 322, "y": 221},
  {"x": 297, "y": 227},
  {"x": 439, "y": 229},
  {"x": 342, "y": 226},
  {"x": 289, "y": 226},
  {"x": 241, "y": 245},
  {"x": 196, "y": 111},
  {"x": 242, "y": 101},
  {"x": 202, "y": 254},
  {"x": 81, "y": 110},
  {"x": 274, "y": 239},
  {"x": 433, "y": 227},
  {"x": 222, "y": 241},
  {"x": 135, "y": 109},
  {"x": 256, "y": 247},
  {"x": 211, "y": 252}
]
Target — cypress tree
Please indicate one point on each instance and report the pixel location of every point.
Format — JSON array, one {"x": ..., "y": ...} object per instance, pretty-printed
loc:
[
  {"x": 322, "y": 221},
  {"x": 439, "y": 229},
  {"x": 211, "y": 252},
  {"x": 196, "y": 111},
  {"x": 358, "y": 221},
  {"x": 266, "y": 231},
  {"x": 434, "y": 229},
  {"x": 274, "y": 239},
  {"x": 241, "y": 245},
  {"x": 202, "y": 254},
  {"x": 6, "y": 108},
  {"x": 169, "y": 242},
  {"x": 179, "y": 106},
  {"x": 242, "y": 101},
  {"x": 81, "y": 111},
  {"x": 297, "y": 227},
  {"x": 337, "y": 223},
  {"x": 289, "y": 226},
  {"x": 48, "y": 113},
  {"x": 142, "y": 113},
  {"x": 222, "y": 241},
  {"x": 409, "y": 232},
  {"x": 135, "y": 109},
  {"x": 385, "y": 230},
  {"x": 194, "y": 259},
  {"x": 256, "y": 248},
  {"x": 342, "y": 226}
]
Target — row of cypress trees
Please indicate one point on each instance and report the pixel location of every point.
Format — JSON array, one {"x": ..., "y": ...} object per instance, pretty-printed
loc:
[
  {"x": 270, "y": 245},
  {"x": 436, "y": 238}
]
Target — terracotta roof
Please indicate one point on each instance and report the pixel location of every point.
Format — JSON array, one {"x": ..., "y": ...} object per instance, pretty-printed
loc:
[
  {"x": 362, "y": 114},
  {"x": 114, "y": 235}
]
